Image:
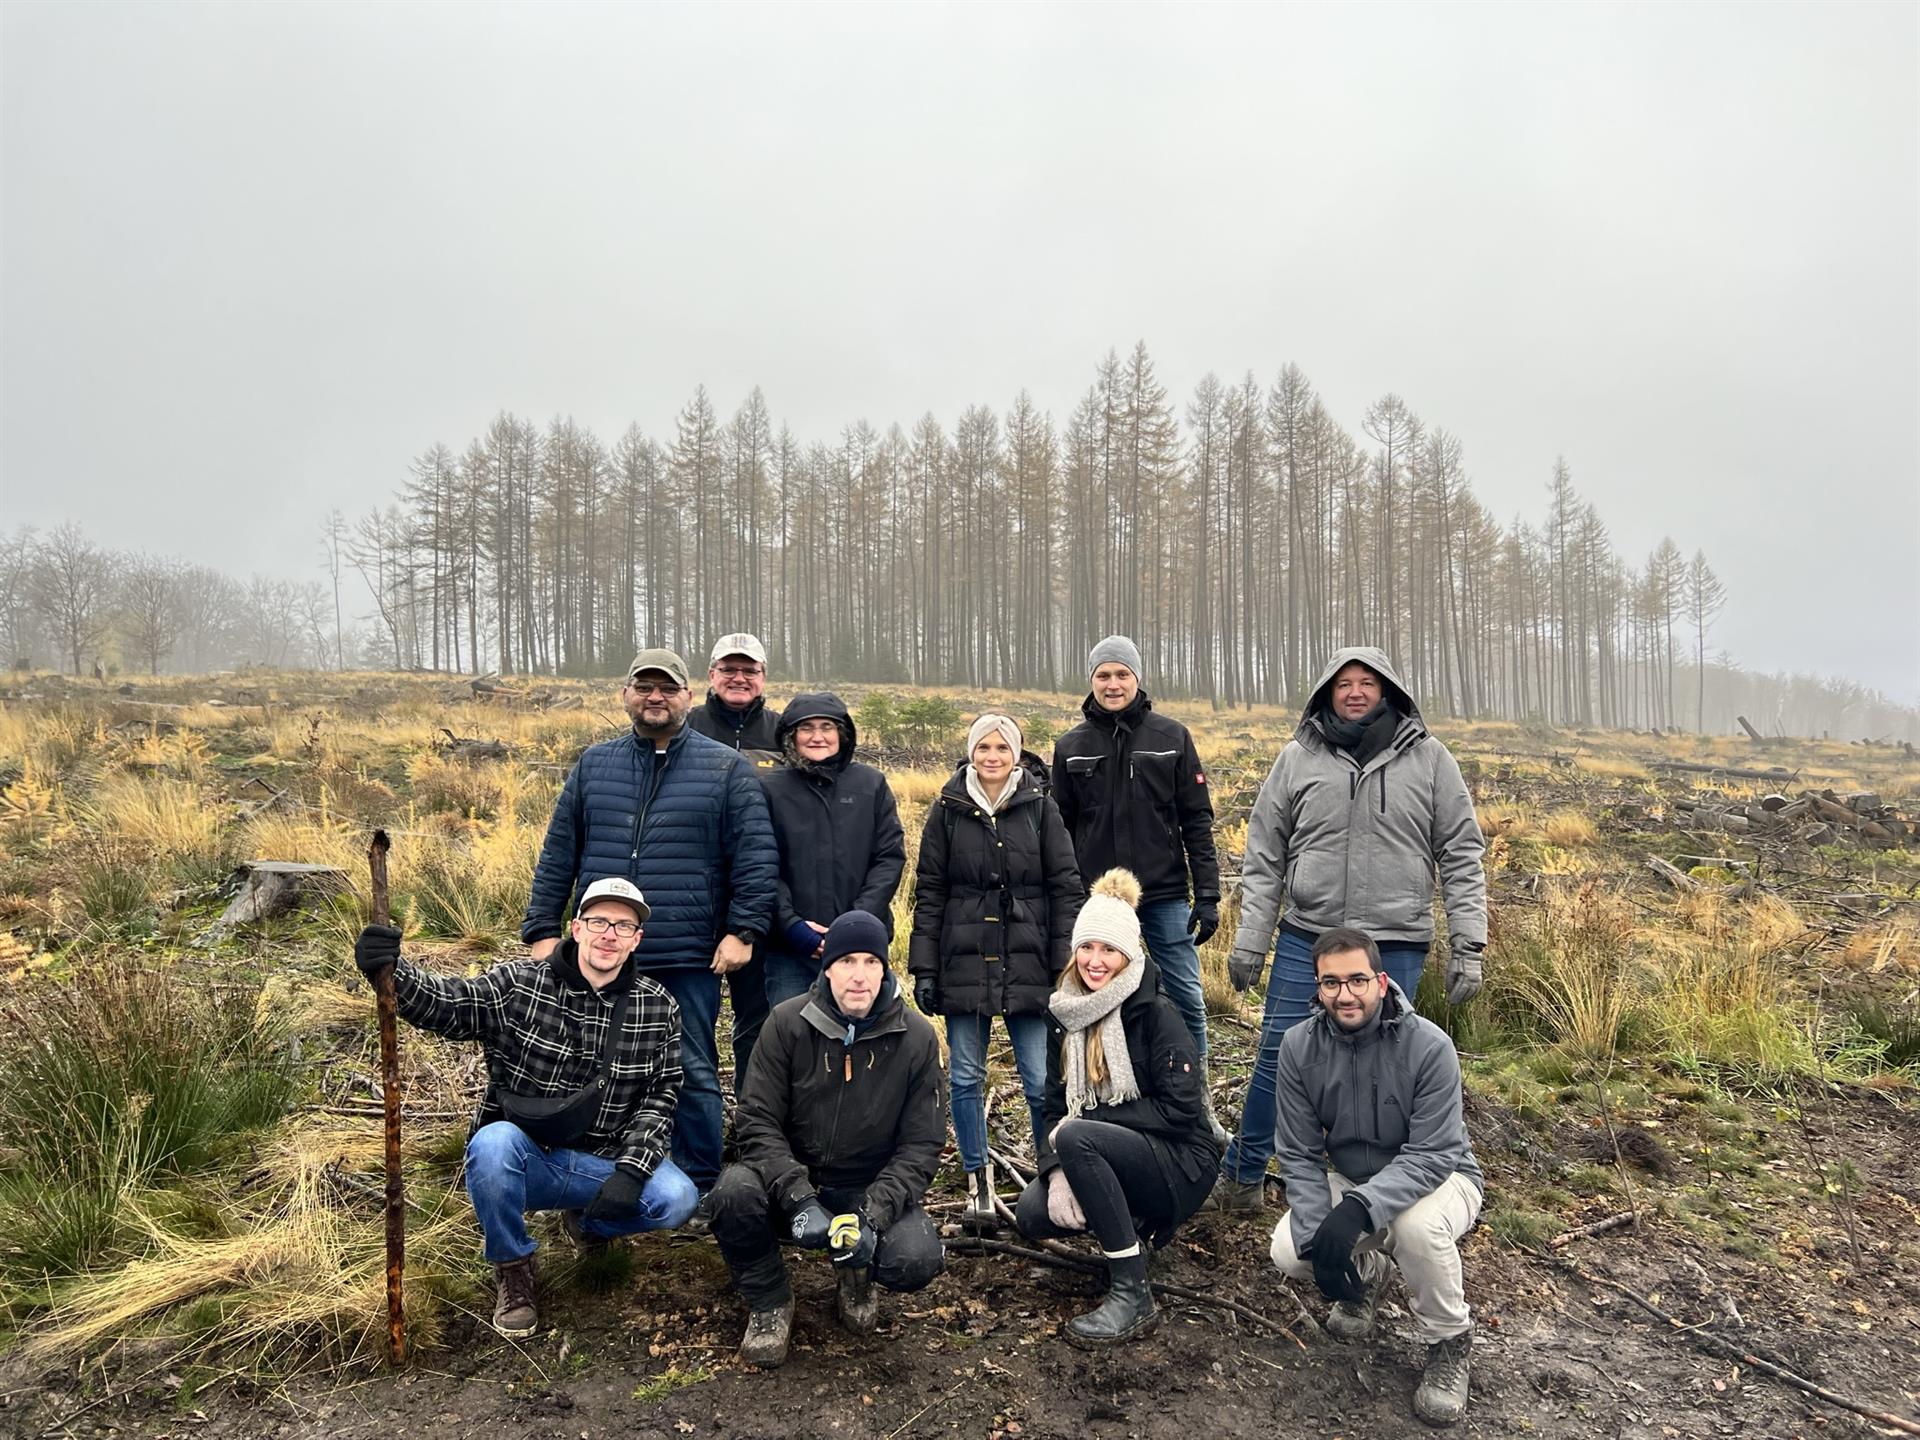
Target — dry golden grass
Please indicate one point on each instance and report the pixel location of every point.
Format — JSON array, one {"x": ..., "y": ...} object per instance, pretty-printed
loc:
[
  {"x": 1568, "y": 828},
  {"x": 1612, "y": 767},
  {"x": 1506, "y": 818},
  {"x": 171, "y": 819}
]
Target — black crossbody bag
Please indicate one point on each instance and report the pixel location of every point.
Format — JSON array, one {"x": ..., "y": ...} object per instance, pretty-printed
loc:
[{"x": 554, "y": 1122}]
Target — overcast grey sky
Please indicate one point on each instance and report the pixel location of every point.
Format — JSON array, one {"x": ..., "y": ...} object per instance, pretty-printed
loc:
[{"x": 253, "y": 258}]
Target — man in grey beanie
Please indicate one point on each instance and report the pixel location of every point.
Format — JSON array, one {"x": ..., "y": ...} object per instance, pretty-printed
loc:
[{"x": 1132, "y": 790}]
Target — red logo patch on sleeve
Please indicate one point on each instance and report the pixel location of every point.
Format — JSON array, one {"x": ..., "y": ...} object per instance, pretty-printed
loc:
[{"x": 1199, "y": 777}]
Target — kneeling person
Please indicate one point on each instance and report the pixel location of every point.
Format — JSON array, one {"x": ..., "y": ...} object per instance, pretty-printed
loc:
[
  {"x": 1373, "y": 1088},
  {"x": 1128, "y": 1151},
  {"x": 840, "y": 1124},
  {"x": 583, "y": 1071}
]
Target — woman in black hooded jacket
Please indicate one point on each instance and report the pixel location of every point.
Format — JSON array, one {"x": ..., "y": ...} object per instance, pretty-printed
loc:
[
  {"x": 995, "y": 893},
  {"x": 841, "y": 845}
]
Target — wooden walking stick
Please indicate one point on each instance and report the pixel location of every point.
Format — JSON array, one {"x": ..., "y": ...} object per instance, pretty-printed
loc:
[{"x": 390, "y": 1102}]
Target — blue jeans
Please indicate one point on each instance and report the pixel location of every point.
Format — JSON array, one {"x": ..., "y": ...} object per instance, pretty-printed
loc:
[
  {"x": 701, "y": 1113},
  {"x": 788, "y": 975},
  {"x": 967, "y": 1040},
  {"x": 1163, "y": 925},
  {"x": 1290, "y": 999},
  {"x": 508, "y": 1176}
]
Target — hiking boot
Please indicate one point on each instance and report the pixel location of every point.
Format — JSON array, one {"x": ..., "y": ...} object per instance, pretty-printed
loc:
[
  {"x": 768, "y": 1331},
  {"x": 859, "y": 1306},
  {"x": 1442, "y": 1396},
  {"x": 573, "y": 1222},
  {"x": 1128, "y": 1310},
  {"x": 515, "y": 1313},
  {"x": 1237, "y": 1197},
  {"x": 980, "y": 1214},
  {"x": 1353, "y": 1319}
]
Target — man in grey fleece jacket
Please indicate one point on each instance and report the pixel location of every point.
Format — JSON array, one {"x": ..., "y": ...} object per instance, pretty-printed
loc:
[
  {"x": 1374, "y": 1090},
  {"x": 1361, "y": 811}
]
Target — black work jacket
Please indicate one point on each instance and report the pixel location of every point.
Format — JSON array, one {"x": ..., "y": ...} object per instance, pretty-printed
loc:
[{"x": 1133, "y": 792}]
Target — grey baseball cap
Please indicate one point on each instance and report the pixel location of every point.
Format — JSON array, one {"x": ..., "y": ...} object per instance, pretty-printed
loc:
[
  {"x": 663, "y": 660},
  {"x": 615, "y": 888},
  {"x": 738, "y": 643}
]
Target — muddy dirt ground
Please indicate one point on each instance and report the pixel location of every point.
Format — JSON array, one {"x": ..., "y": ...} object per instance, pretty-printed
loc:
[{"x": 981, "y": 1353}]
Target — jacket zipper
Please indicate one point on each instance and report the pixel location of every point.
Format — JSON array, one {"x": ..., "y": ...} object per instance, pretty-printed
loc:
[{"x": 659, "y": 762}]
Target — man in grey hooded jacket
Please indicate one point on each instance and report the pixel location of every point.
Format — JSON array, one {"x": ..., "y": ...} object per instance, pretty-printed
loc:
[
  {"x": 1362, "y": 809},
  {"x": 1374, "y": 1090}
]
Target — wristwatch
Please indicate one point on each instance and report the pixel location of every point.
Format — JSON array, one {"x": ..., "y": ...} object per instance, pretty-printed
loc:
[{"x": 746, "y": 937}]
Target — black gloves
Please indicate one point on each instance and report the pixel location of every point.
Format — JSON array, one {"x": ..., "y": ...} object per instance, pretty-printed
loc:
[
  {"x": 811, "y": 1225},
  {"x": 854, "y": 1238},
  {"x": 926, "y": 994},
  {"x": 1331, "y": 1251},
  {"x": 377, "y": 948},
  {"x": 617, "y": 1200},
  {"x": 1203, "y": 920}
]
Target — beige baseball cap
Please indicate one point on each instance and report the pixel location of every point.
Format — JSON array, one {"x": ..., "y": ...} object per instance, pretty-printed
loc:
[
  {"x": 615, "y": 888},
  {"x": 663, "y": 660},
  {"x": 738, "y": 643}
]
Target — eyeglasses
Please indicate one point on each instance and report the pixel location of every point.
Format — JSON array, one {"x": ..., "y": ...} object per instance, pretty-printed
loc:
[
  {"x": 665, "y": 692},
  {"x": 1358, "y": 984},
  {"x": 737, "y": 672},
  {"x": 600, "y": 924}
]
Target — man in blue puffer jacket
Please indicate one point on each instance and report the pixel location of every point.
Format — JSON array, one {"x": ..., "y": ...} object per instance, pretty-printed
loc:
[{"x": 685, "y": 819}]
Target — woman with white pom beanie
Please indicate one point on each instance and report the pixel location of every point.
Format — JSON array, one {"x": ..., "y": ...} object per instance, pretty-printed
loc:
[{"x": 1128, "y": 1148}]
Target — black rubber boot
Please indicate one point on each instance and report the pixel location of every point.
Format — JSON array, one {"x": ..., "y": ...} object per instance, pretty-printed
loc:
[
  {"x": 980, "y": 1214},
  {"x": 1127, "y": 1312}
]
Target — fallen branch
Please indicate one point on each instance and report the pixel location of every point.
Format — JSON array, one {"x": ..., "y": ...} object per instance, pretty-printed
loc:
[
  {"x": 1598, "y": 1227},
  {"x": 976, "y": 1245},
  {"x": 1732, "y": 1351}
]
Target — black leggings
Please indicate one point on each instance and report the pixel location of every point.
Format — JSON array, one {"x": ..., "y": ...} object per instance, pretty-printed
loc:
[{"x": 1118, "y": 1179}]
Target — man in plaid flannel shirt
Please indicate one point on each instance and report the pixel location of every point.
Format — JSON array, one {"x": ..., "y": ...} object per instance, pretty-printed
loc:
[{"x": 543, "y": 1025}]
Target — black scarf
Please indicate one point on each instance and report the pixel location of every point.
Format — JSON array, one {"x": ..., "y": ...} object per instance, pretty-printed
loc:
[{"x": 1363, "y": 738}]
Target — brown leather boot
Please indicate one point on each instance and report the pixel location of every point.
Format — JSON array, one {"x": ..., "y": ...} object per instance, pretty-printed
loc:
[{"x": 515, "y": 1312}]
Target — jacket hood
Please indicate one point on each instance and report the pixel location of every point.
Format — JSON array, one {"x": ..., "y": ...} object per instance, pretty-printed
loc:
[
  {"x": 820, "y": 705},
  {"x": 1395, "y": 1008},
  {"x": 886, "y": 1016},
  {"x": 565, "y": 964},
  {"x": 1375, "y": 660}
]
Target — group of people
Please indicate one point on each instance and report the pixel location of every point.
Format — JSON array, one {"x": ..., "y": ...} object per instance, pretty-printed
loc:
[{"x": 727, "y": 840}]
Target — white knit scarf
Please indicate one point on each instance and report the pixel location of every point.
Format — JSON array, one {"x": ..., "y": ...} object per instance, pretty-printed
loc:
[
  {"x": 1079, "y": 1009},
  {"x": 979, "y": 791}
]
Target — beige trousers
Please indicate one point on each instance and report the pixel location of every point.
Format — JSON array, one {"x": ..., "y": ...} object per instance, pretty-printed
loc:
[{"x": 1423, "y": 1241}]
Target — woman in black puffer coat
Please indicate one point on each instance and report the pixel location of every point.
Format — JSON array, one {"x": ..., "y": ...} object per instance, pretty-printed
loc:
[
  {"x": 996, "y": 891},
  {"x": 841, "y": 846}
]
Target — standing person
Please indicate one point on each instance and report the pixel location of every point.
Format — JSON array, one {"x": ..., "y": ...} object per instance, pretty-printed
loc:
[
  {"x": 1133, "y": 792},
  {"x": 1359, "y": 813},
  {"x": 994, "y": 897},
  {"x": 1128, "y": 1153},
  {"x": 736, "y": 714},
  {"x": 841, "y": 845},
  {"x": 1373, "y": 1090},
  {"x": 842, "y": 1119},
  {"x": 583, "y": 1071},
  {"x": 685, "y": 819}
]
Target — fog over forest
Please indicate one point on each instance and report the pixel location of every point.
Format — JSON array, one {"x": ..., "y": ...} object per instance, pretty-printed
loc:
[{"x": 1561, "y": 352}]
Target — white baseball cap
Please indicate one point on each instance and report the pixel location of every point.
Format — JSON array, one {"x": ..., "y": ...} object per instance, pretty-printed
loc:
[
  {"x": 738, "y": 643},
  {"x": 615, "y": 888}
]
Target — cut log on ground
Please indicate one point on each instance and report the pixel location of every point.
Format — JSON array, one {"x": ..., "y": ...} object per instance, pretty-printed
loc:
[{"x": 272, "y": 888}]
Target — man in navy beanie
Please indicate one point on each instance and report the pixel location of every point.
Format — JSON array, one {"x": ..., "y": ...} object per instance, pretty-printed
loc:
[{"x": 840, "y": 1124}]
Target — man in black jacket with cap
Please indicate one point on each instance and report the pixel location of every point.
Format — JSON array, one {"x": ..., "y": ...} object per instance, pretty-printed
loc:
[{"x": 840, "y": 1126}]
